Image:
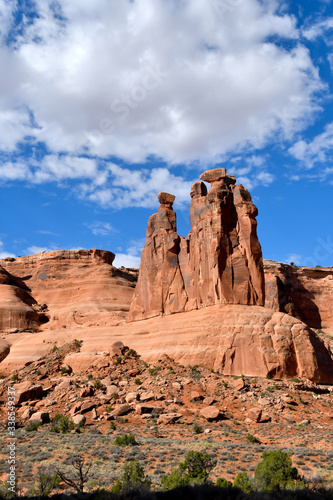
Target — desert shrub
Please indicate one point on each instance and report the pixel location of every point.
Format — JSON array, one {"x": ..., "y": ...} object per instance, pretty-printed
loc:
[
  {"x": 296, "y": 380},
  {"x": 46, "y": 483},
  {"x": 223, "y": 483},
  {"x": 275, "y": 472},
  {"x": 132, "y": 478},
  {"x": 132, "y": 352},
  {"x": 125, "y": 440},
  {"x": 137, "y": 381},
  {"x": 194, "y": 470},
  {"x": 97, "y": 384},
  {"x": 14, "y": 377},
  {"x": 32, "y": 426},
  {"x": 243, "y": 482},
  {"x": 197, "y": 429},
  {"x": 62, "y": 423},
  {"x": 251, "y": 439}
]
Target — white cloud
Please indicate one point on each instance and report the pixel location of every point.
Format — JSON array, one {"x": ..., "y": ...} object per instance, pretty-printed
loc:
[
  {"x": 138, "y": 187},
  {"x": 126, "y": 260},
  {"x": 319, "y": 150},
  {"x": 99, "y": 228},
  {"x": 36, "y": 249},
  {"x": 132, "y": 257},
  {"x": 318, "y": 29},
  {"x": 295, "y": 258},
  {"x": 3, "y": 253},
  {"x": 171, "y": 79}
]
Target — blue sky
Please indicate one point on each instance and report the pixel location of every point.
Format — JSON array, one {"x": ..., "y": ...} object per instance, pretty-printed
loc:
[{"x": 103, "y": 104}]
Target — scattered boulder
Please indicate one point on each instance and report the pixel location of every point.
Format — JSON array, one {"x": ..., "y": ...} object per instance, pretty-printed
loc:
[
  {"x": 210, "y": 413},
  {"x": 254, "y": 414},
  {"x": 42, "y": 417},
  {"x": 239, "y": 384},
  {"x": 111, "y": 390},
  {"x": 78, "y": 419},
  {"x": 26, "y": 391},
  {"x": 168, "y": 418},
  {"x": 87, "y": 392},
  {"x": 131, "y": 397},
  {"x": 121, "y": 410},
  {"x": 141, "y": 409}
]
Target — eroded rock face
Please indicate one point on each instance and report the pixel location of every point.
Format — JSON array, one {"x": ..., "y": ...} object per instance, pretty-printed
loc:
[
  {"x": 220, "y": 261},
  {"x": 303, "y": 292},
  {"x": 63, "y": 289}
]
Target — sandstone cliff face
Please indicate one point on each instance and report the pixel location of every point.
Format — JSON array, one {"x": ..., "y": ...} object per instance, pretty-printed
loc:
[
  {"x": 63, "y": 289},
  {"x": 220, "y": 261},
  {"x": 303, "y": 292}
]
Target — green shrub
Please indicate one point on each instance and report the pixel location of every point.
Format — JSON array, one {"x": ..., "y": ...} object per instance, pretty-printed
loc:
[
  {"x": 32, "y": 426},
  {"x": 132, "y": 478},
  {"x": 137, "y": 381},
  {"x": 125, "y": 440},
  {"x": 243, "y": 482},
  {"x": 112, "y": 426},
  {"x": 46, "y": 483},
  {"x": 54, "y": 348},
  {"x": 251, "y": 439},
  {"x": 223, "y": 483},
  {"x": 194, "y": 470},
  {"x": 90, "y": 376},
  {"x": 14, "y": 377},
  {"x": 97, "y": 384},
  {"x": 62, "y": 423},
  {"x": 296, "y": 380},
  {"x": 197, "y": 429},
  {"x": 64, "y": 370},
  {"x": 132, "y": 352},
  {"x": 275, "y": 472}
]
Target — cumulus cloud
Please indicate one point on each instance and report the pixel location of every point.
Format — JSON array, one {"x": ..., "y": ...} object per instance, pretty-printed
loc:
[
  {"x": 318, "y": 150},
  {"x": 318, "y": 29},
  {"x": 99, "y": 228},
  {"x": 134, "y": 79},
  {"x": 132, "y": 257},
  {"x": 126, "y": 260},
  {"x": 33, "y": 249},
  {"x": 4, "y": 253}
]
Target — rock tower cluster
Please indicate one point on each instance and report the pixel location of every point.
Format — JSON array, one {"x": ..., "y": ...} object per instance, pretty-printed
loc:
[{"x": 220, "y": 261}]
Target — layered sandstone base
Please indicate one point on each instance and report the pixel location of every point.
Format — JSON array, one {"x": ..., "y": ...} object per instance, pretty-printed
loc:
[{"x": 231, "y": 339}]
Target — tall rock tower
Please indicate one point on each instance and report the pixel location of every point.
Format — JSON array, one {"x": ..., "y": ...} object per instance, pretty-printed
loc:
[{"x": 220, "y": 261}]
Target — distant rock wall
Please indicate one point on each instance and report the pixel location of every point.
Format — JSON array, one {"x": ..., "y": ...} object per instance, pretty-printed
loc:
[
  {"x": 220, "y": 261},
  {"x": 63, "y": 289},
  {"x": 303, "y": 292}
]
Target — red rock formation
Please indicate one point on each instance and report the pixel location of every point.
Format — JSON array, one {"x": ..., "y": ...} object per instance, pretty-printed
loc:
[
  {"x": 220, "y": 261},
  {"x": 63, "y": 289},
  {"x": 303, "y": 292}
]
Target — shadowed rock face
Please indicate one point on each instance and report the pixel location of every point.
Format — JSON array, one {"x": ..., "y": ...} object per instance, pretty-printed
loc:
[{"x": 220, "y": 261}]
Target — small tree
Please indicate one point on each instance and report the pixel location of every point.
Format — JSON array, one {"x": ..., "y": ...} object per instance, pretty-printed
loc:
[
  {"x": 80, "y": 478},
  {"x": 223, "y": 483},
  {"x": 62, "y": 423},
  {"x": 46, "y": 483},
  {"x": 243, "y": 482},
  {"x": 133, "y": 477},
  {"x": 275, "y": 472},
  {"x": 194, "y": 470}
]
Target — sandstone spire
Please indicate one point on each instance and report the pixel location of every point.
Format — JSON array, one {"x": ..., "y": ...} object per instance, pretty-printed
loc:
[{"x": 220, "y": 261}]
